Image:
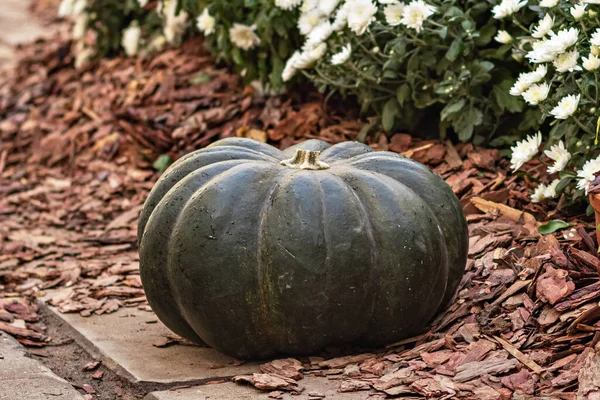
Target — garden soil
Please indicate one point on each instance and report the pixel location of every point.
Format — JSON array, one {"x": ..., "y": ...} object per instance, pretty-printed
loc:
[{"x": 81, "y": 149}]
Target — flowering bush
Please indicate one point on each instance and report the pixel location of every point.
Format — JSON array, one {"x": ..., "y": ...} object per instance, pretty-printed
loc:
[
  {"x": 561, "y": 46},
  {"x": 403, "y": 59},
  {"x": 253, "y": 35},
  {"x": 105, "y": 27}
]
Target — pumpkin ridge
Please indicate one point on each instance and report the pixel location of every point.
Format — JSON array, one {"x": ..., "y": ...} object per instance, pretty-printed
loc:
[
  {"x": 184, "y": 167},
  {"x": 246, "y": 149},
  {"x": 176, "y": 189},
  {"x": 376, "y": 155},
  {"x": 259, "y": 248},
  {"x": 345, "y": 150},
  {"x": 371, "y": 235},
  {"x": 381, "y": 179},
  {"x": 249, "y": 144},
  {"x": 424, "y": 181},
  {"x": 175, "y": 229}
]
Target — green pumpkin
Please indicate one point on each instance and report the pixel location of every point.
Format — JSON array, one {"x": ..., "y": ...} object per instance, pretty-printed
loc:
[{"x": 257, "y": 251}]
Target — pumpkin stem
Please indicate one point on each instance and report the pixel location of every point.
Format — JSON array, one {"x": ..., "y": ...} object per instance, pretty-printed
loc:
[{"x": 305, "y": 159}]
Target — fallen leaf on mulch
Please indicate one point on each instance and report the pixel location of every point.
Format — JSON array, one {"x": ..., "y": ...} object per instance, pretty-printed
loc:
[
  {"x": 92, "y": 365},
  {"x": 268, "y": 382},
  {"x": 552, "y": 286},
  {"x": 287, "y": 367},
  {"x": 167, "y": 341},
  {"x": 98, "y": 374}
]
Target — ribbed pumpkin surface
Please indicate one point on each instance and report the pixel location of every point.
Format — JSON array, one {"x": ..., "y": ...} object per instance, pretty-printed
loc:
[{"x": 255, "y": 258}]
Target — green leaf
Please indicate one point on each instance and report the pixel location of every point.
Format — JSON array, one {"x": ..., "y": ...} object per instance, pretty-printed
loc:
[
  {"x": 480, "y": 72},
  {"x": 563, "y": 183},
  {"x": 202, "y": 77},
  {"x": 467, "y": 25},
  {"x": 454, "y": 50},
  {"x": 452, "y": 108},
  {"x": 162, "y": 162},
  {"x": 553, "y": 226},
  {"x": 486, "y": 34},
  {"x": 443, "y": 32},
  {"x": 504, "y": 99},
  {"x": 403, "y": 93},
  {"x": 466, "y": 122},
  {"x": 362, "y": 135},
  {"x": 388, "y": 116}
]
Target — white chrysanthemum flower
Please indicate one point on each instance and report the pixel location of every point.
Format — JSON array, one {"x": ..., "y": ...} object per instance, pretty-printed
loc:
[
  {"x": 290, "y": 67},
  {"x": 543, "y": 51},
  {"x": 326, "y": 7},
  {"x": 309, "y": 5},
  {"x": 539, "y": 193},
  {"x": 393, "y": 13},
  {"x": 360, "y": 15},
  {"x": 560, "y": 155},
  {"x": 174, "y": 24},
  {"x": 591, "y": 63},
  {"x": 503, "y": 37},
  {"x": 83, "y": 56},
  {"x": 519, "y": 88},
  {"x": 243, "y": 36},
  {"x": 548, "y": 49},
  {"x": 543, "y": 27},
  {"x": 548, "y": 3},
  {"x": 318, "y": 35},
  {"x": 131, "y": 39},
  {"x": 507, "y": 8},
  {"x": 415, "y": 13},
  {"x": 79, "y": 7},
  {"x": 567, "y": 62},
  {"x": 206, "y": 23},
  {"x": 577, "y": 11},
  {"x": 384, "y": 2},
  {"x": 287, "y": 4},
  {"x": 526, "y": 79},
  {"x": 341, "y": 17},
  {"x": 587, "y": 174},
  {"x": 142, "y": 3},
  {"x": 591, "y": 1},
  {"x": 65, "y": 8},
  {"x": 342, "y": 56},
  {"x": 157, "y": 44},
  {"x": 566, "y": 106},
  {"x": 564, "y": 39},
  {"x": 525, "y": 150},
  {"x": 537, "y": 93},
  {"x": 308, "y": 58},
  {"x": 536, "y": 75},
  {"x": 80, "y": 26},
  {"x": 595, "y": 39},
  {"x": 309, "y": 21},
  {"x": 550, "y": 192}
]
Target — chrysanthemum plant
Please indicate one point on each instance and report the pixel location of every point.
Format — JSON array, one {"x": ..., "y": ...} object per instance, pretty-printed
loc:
[
  {"x": 254, "y": 36},
  {"x": 561, "y": 46},
  {"x": 107, "y": 27},
  {"x": 409, "y": 60}
]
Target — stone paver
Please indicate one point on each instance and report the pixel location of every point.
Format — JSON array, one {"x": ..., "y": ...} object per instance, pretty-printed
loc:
[
  {"x": 24, "y": 378},
  {"x": 123, "y": 340},
  {"x": 231, "y": 391}
]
